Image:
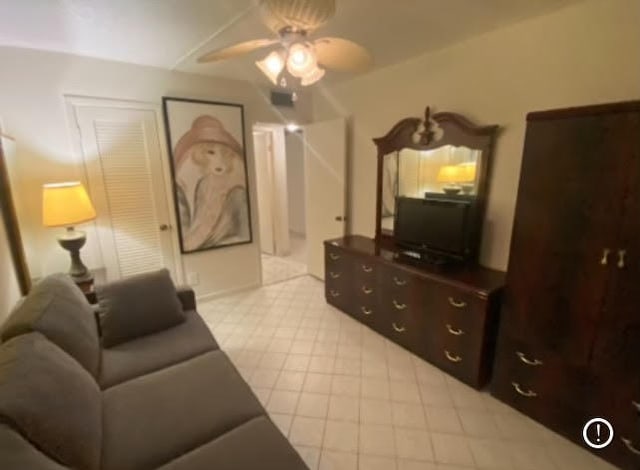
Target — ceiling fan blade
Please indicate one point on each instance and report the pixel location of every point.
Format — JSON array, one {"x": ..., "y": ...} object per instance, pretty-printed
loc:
[
  {"x": 236, "y": 50},
  {"x": 342, "y": 55}
]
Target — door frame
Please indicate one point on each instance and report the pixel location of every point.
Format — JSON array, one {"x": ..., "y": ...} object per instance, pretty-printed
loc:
[{"x": 73, "y": 102}]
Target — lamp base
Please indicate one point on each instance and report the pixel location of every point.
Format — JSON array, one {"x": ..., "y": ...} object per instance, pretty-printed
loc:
[
  {"x": 451, "y": 189},
  {"x": 72, "y": 241}
]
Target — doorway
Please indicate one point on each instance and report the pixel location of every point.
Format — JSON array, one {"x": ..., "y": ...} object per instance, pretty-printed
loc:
[{"x": 280, "y": 178}]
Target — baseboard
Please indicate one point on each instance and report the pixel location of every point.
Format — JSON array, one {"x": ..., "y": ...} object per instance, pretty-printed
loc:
[{"x": 225, "y": 293}]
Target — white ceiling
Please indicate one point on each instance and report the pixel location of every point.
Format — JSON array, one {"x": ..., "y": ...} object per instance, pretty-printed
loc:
[{"x": 172, "y": 33}]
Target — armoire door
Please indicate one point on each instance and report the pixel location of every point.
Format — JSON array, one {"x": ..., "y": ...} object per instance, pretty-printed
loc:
[
  {"x": 617, "y": 349},
  {"x": 121, "y": 150},
  {"x": 565, "y": 232}
]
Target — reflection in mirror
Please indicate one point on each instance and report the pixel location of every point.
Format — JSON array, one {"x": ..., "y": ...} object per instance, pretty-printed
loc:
[
  {"x": 415, "y": 173},
  {"x": 389, "y": 189}
]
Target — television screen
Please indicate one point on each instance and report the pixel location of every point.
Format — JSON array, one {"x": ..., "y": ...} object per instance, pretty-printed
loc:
[{"x": 432, "y": 224}]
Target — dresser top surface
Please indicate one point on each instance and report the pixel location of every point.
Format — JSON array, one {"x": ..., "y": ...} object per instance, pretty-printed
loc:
[{"x": 478, "y": 278}]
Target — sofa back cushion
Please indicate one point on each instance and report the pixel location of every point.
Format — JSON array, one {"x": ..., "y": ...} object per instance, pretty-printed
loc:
[
  {"x": 51, "y": 400},
  {"x": 58, "y": 309},
  {"x": 138, "y": 306}
]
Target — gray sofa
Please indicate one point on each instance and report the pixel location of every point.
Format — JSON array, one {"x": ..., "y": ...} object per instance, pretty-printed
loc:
[{"x": 167, "y": 400}]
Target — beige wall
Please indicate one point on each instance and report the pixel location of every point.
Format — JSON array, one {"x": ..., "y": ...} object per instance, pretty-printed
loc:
[
  {"x": 32, "y": 104},
  {"x": 583, "y": 54}
]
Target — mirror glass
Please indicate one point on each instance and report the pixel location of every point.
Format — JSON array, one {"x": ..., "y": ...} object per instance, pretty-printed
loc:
[{"x": 414, "y": 173}]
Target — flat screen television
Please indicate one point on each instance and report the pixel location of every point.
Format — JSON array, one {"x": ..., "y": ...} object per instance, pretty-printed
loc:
[{"x": 433, "y": 225}]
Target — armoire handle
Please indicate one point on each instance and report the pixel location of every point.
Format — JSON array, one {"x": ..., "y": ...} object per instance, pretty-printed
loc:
[
  {"x": 334, "y": 293},
  {"x": 366, "y": 311},
  {"x": 621, "y": 259},
  {"x": 399, "y": 282},
  {"x": 629, "y": 445},
  {"x": 367, "y": 290},
  {"x": 334, "y": 257},
  {"x": 367, "y": 269},
  {"x": 527, "y": 361},
  {"x": 334, "y": 275},
  {"x": 399, "y": 329},
  {"x": 604, "y": 259},
  {"x": 636, "y": 405},
  {"x": 527, "y": 393}
]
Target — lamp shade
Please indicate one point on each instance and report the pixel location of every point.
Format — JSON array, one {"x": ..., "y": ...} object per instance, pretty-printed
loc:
[
  {"x": 450, "y": 174},
  {"x": 468, "y": 173},
  {"x": 65, "y": 204}
]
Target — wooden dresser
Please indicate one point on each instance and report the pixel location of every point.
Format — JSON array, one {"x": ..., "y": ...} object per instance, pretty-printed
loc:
[
  {"x": 569, "y": 342},
  {"x": 446, "y": 315}
]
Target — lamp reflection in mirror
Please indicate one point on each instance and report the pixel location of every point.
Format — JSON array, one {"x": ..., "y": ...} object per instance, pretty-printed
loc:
[
  {"x": 467, "y": 182},
  {"x": 65, "y": 205},
  {"x": 450, "y": 175}
]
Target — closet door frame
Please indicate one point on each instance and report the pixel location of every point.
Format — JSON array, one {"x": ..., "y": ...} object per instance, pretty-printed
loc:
[{"x": 72, "y": 102}]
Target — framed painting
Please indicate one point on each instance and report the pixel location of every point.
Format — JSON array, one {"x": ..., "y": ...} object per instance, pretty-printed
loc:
[{"x": 209, "y": 171}]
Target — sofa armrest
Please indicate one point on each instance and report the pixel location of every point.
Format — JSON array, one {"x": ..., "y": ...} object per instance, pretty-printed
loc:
[{"x": 187, "y": 297}]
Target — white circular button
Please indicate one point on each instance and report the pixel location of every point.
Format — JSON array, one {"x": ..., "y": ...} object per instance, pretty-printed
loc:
[{"x": 597, "y": 433}]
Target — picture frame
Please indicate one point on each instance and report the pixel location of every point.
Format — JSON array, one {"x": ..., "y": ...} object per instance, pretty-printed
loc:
[{"x": 207, "y": 153}]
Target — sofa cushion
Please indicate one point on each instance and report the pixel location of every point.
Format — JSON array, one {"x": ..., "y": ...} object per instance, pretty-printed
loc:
[
  {"x": 51, "y": 400},
  {"x": 254, "y": 445},
  {"x": 152, "y": 352},
  {"x": 18, "y": 453},
  {"x": 138, "y": 306},
  {"x": 57, "y": 308},
  {"x": 157, "y": 417}
]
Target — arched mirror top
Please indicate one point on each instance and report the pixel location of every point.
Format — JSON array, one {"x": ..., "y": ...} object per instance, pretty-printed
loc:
[{"x": 442, "y": 155}]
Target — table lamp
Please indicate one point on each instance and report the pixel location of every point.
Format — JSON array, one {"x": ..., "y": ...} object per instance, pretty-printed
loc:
[
  {"x": 468, "y": 177},
  {"x": 64, "y": 205}
]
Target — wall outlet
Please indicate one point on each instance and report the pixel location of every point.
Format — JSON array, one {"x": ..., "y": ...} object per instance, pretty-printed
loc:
[{"x": 193, "y": 279}]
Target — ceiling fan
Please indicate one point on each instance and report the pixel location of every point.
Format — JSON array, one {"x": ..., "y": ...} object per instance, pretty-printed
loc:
[{"x": 298, "y": 57}]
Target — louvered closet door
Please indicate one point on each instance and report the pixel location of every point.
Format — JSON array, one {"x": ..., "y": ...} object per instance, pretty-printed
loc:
[{"x": 121, "y": 149}]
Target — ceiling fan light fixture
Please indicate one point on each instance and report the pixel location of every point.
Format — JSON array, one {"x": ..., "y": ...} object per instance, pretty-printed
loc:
[
  {"x": 272, "y": 65},
  {"x": 301, "y": 60},
  {"x": 312, "y": 76}
]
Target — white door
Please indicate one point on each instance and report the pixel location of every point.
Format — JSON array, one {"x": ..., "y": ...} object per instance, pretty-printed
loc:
[
  {"x": 121, "y": 149},
  {"x": 325, "y": 156},
  {"x": 264, "y": 180}
]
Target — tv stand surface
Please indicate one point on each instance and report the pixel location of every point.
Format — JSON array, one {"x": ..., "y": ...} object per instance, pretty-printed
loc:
[{"x": 444, "y": 313}]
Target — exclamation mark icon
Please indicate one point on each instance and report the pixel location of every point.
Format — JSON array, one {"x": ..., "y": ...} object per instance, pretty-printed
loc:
[{"x": 598, "y": 432}]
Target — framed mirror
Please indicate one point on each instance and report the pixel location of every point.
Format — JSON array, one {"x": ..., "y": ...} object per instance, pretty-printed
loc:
[{"x": 439, "y": 157}]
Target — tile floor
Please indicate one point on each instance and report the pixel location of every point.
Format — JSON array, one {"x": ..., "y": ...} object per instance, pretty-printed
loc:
[
  {"x": 280, "y": 268},
  {"x": 349, "y": 399}
]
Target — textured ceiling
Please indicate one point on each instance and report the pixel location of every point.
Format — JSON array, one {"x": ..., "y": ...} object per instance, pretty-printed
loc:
[{"x": 172, "y": 33}]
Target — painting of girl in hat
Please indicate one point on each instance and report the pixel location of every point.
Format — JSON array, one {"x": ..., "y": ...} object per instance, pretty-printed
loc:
[{"x": 210, "y": 186}]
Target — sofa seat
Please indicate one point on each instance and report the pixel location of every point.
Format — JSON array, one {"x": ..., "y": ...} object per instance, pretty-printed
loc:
[
  {"x": 156, "y": 351},
  {"x": 153, "y": 419},
  {"x": 252, "y": 445}
]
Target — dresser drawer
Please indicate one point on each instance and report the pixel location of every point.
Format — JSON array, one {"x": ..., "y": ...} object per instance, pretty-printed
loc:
[
  {"x": 338, "y": 278},
  {"x": 458, "y": 352}
]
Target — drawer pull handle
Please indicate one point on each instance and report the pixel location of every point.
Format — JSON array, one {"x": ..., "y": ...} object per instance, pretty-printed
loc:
[
  {"x": 334, "y": 293},
  {"x": 528, "y": 393},
  {"x": 334, "y": 257},
  {"x": 399, "y": 329},
  {"x": 366, "y": 311},
  {"x": 454, "y": 331},
  {"x": 367, "y": 269},
  {"x": 367, "y": 290},
  {"x": 399, "y": 306},
  {"x": 528, "y": 361},
  {"x": 604, "y": 259},
  {"x": 451, "y": 357},
  {"x": 457, "y": 303},
  {"x": 636, "y": 405},
  {"x": 621, "y": 256},
  {"x": 334, "y": 275},
  {"x": 630, "y": 446},
  {"x": 399, "y": 282}
]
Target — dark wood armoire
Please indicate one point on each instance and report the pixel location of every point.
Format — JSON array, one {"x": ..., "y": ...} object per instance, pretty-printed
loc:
[{"x": 569, "y": 337}]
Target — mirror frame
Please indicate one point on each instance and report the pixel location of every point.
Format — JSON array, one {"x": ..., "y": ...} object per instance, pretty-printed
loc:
[
  {"x": 422, "y": 134},
  {"x": 10, "y": 222}
]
